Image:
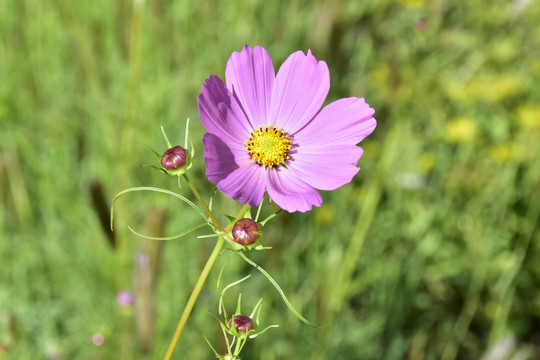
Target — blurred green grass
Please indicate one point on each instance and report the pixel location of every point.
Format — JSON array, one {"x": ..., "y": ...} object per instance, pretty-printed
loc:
[{"x": 431, "y": 252}]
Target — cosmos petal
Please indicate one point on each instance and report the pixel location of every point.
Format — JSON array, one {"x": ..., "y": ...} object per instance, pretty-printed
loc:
[
  {"x": 345, "y": 121},
  {"x": 250, "y": 78},
  {"x": 220, "y": 113},
  {"x": 326, "y": 167},
  {"x": 218, "y": 157},
  {"x": 300, "y": 89},
  {"x": 291, "y": 193},
  {"x": 245, "y": 184}
]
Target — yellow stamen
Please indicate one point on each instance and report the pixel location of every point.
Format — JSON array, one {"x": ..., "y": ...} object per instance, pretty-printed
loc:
[{"x": 269, "y": 146}]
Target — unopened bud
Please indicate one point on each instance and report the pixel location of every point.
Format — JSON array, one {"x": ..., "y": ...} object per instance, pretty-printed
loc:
[
  {"x": 242, "y": 324},
  {"x": 245, "y": 231},
  {"x": 174, "y": 158}
]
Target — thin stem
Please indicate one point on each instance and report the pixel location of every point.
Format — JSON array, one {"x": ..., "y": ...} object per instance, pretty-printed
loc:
[
  {"x": 194, "y": 295},
  {"x": 239, "y": 345},
  {"x": 202, "y": 202},
  {"x": 204, "y": 274},
  {"x": 226, "y": 339}
]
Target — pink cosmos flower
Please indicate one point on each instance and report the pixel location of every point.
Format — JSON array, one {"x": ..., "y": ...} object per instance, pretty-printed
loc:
[{"x": 267, "y": 132}]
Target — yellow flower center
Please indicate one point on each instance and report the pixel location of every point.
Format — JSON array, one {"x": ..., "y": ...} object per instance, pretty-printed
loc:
[{"x": 269, "y": 146}]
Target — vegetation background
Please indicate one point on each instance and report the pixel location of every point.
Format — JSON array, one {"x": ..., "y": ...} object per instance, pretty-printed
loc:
[{"x": 431, "y": 253}]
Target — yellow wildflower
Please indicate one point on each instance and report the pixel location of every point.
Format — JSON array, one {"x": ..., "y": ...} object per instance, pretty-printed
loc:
[{"x": 460, "y": 129}]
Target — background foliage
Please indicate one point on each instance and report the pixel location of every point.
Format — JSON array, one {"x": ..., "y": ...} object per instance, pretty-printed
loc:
[{"x": 432, "y": 252}]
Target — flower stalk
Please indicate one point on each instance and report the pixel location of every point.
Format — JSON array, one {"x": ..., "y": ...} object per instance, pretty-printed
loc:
[
  {"x": 203, "y": 204},
  {"x": 206, "y": 270},
  {"x": 194, "y": 296}
]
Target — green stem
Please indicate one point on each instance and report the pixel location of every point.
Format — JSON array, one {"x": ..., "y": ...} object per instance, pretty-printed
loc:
[
  {"x": 194, "y": 295},
  {"x": 239, "y": 345},
  {"x": 203, "y": 203},
  {"x": 204, "y": 274}
]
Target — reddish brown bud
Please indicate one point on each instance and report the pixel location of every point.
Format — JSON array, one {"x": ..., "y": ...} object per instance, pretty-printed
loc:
[
  {"x": 174, "y": 158},
  {"x": 245, "y": 231},
  {"x": 242, "y": 323}
]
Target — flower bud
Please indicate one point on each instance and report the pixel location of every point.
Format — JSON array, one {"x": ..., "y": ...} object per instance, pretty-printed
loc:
[
  {"x": 245, "y": 231},
  {"x": 242, "y": 324},
  {"x": 174, "y": 158}
]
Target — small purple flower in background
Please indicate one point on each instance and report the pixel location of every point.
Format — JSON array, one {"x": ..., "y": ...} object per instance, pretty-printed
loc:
[
  {"x": 98, "y": 339},
  {"x": 267, "y": 132},
  {"x": 124, "y": 298},
  {"x": 421, "y": 25}
]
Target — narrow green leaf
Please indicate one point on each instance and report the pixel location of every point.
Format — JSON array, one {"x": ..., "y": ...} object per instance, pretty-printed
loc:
[
  {"x": 214, "y": 350},
  {"x": 270, "y": 217},
  {"x": 208, "y": 236},
  {"x": 193, "y": 228},
  {"x": 222, "y": 269},
  {"x": 147, "y": 188},
  {"x": 263, "y": 331},
  {"x": 273, "y": 282},
  {"x": 166, "y": 138},
  {"x": 228, "y": 287}
]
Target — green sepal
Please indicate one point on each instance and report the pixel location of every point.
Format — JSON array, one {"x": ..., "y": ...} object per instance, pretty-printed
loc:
[
  {"x": 253, "y": 336},
  {"x": 270, "y": 217},
  {"x": 166, "y": 138},
  {"x": 239, "y": 247},
  {"x": 155, "y": 168},
  {"x": 154, "y": 151}
]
